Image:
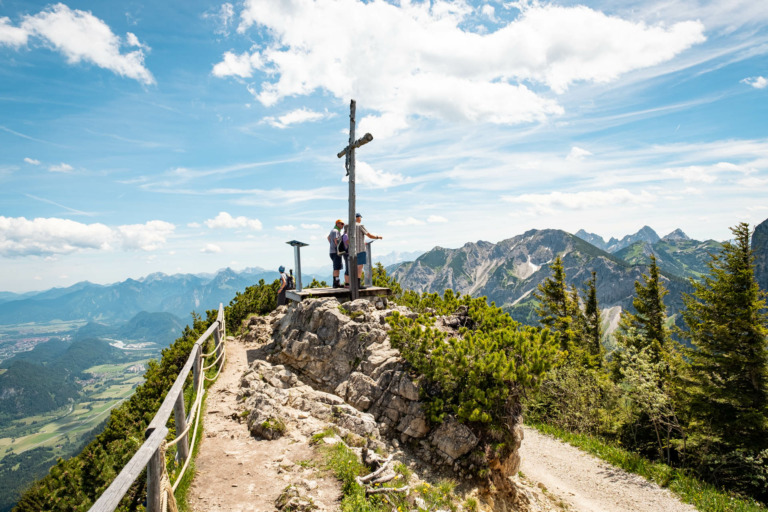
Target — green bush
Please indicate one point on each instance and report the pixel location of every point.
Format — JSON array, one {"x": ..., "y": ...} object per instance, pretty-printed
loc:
[{"x": 479, "y": 375}]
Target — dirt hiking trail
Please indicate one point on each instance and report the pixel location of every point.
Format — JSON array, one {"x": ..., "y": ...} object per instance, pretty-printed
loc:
[{"x": 237, "y": 473}]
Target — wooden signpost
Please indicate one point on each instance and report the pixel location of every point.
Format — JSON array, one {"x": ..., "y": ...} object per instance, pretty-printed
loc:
[{"x": 349, "y": 151}]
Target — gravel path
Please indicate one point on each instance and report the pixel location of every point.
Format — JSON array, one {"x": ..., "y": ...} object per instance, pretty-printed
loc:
[
  {"x": 587, "y": 484},
  {"x": 236, "y": 472}
]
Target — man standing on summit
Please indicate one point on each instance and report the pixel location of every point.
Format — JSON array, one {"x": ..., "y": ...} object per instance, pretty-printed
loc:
[{"x": 362, "y": 256}]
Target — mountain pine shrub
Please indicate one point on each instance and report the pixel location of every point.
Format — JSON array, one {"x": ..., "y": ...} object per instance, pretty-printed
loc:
[{"x": 478, "y": 376}]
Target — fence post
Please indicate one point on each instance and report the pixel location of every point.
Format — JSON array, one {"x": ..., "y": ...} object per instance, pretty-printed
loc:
[
  {"x": 197, "y": 350},
  {"x": 218, "y": 340},
  {"x": 223, "y": 323},
  {"x": 154, "y": 485},
  {"x": 180, "y": 415},
  {"x": 368, "y": 265}
]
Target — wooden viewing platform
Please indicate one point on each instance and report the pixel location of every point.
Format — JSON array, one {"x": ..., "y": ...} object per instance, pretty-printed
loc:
[{"x": 342, "y": 294}]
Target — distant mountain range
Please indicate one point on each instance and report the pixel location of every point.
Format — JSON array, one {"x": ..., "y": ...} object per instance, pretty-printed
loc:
[
  {"x": 509, "y": 272},
  {"x": 178, "y": 294}
]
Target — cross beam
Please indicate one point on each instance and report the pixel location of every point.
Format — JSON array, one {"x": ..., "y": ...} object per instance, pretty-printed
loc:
[{"x": 349, "y": 151}]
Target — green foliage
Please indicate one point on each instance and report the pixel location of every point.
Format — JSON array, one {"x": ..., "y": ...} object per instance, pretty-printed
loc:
[
  {"x": 317, "y": 284},
  {"x": 728, "y": 386},
  {"x": 479, "y": 375},
  {"x": 557, "y": 307},
  {"x": 260, "y": 299},
  {"x": 560, "y": 310},
  {"x": 380, "y": 278},
  {"x": 649, "y": 320},
  {"x": 578, "y": 399},
  {"x": 74, "y": 484},
  {"x": 592, "y": 331}
]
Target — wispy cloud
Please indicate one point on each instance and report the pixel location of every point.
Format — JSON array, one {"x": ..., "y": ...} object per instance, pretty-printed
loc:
[
  {"x": 758, "y": 82},
  {"x": 298, "y": 116},
  {"x": 211, "y": 249},
  {"x": 286, "y": 228},
  {"x": 32, "y": 161},
  {"x": 223, "y": 18},
  {"x": 62, "y": 167},
  {"x": 71, "y": 210},
  {"x": 408, "y": 221},
  {"x": 581, "y": 200}
]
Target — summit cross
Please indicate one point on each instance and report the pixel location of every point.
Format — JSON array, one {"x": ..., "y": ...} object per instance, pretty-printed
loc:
[{"x": 349, "y": 151}]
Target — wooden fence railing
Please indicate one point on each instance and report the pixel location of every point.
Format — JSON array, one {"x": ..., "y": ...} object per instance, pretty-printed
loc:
[{"x": 151, "y": 454}]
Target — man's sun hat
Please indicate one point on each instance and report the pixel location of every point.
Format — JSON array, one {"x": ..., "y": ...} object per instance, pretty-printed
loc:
[
  {"x": 339, "y": 221},
  {"x": 358, "y": 215},
  {"x": 281, "y": 269}
]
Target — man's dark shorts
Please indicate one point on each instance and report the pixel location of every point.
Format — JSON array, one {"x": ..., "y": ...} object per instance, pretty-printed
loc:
[
  {"x": 336, "y": 259},
  {"x": 362, "y": 258}
]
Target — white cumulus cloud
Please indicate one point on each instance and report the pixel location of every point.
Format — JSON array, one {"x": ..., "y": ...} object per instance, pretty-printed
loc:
[
  {"x": 10, "y": 35},
  {"x": 20, "y": 236},
  {"x": 225, "y": 221},
  {"x": 310, "y": 226},
  {"x": 149, "y": 236},
  {"x": 241, "y": 66},
  {"x": 286, "y": 228},
  {"x": 80, "y": 37},
  {"x": 32, "y": 161},
  {"x": 367, "y": 176},
  {"x": 423, "y": 59}
]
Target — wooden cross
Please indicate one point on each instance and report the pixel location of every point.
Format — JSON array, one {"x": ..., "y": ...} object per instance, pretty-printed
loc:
[{"x": 349, "y": 151}]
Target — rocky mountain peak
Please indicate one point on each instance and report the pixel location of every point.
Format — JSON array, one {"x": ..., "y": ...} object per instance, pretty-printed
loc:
[{"x": 675, "y": 236}]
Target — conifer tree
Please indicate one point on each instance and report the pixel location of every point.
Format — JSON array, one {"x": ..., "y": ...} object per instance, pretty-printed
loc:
[
  {"x": 649, "y": 319},
  {"x": 729, "y": 328},
  {"x": 556, "y": 308},
  {"x": 592, "y": 320}
]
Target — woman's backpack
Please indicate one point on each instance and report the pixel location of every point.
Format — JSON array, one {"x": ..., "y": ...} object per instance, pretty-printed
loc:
[{"x": 342, "y": 244}]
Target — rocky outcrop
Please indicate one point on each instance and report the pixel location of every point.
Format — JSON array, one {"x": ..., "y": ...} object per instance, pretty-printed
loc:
[
  {"x": 346, "y": 351},
  {"x": 336, "y": 364}
]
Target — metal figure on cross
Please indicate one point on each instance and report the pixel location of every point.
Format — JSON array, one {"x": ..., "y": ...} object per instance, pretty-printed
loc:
[{"x": 349, "y": 151}]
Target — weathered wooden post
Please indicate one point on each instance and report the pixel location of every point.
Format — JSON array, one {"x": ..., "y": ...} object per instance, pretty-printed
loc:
[
  {"x": 154, "y": 481},
  {"x": 180, "y": 416},
  {"x": 197, "y": 364},
  {"x": 217, "y": 340},
  {"x": 368, "y": 264},
  {"x": 297, "y": 260},
  {"x": 349, "y": 151},
  {"x": 222, "y": 323}
]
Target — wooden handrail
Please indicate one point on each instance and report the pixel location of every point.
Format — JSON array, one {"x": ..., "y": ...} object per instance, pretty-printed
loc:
[
  {"x": 110, "y": 499},
  {"x": 157, "y": 431}
]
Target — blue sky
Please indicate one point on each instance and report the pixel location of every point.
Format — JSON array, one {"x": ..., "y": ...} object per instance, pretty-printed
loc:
[{"x": 189, "y": 136}]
